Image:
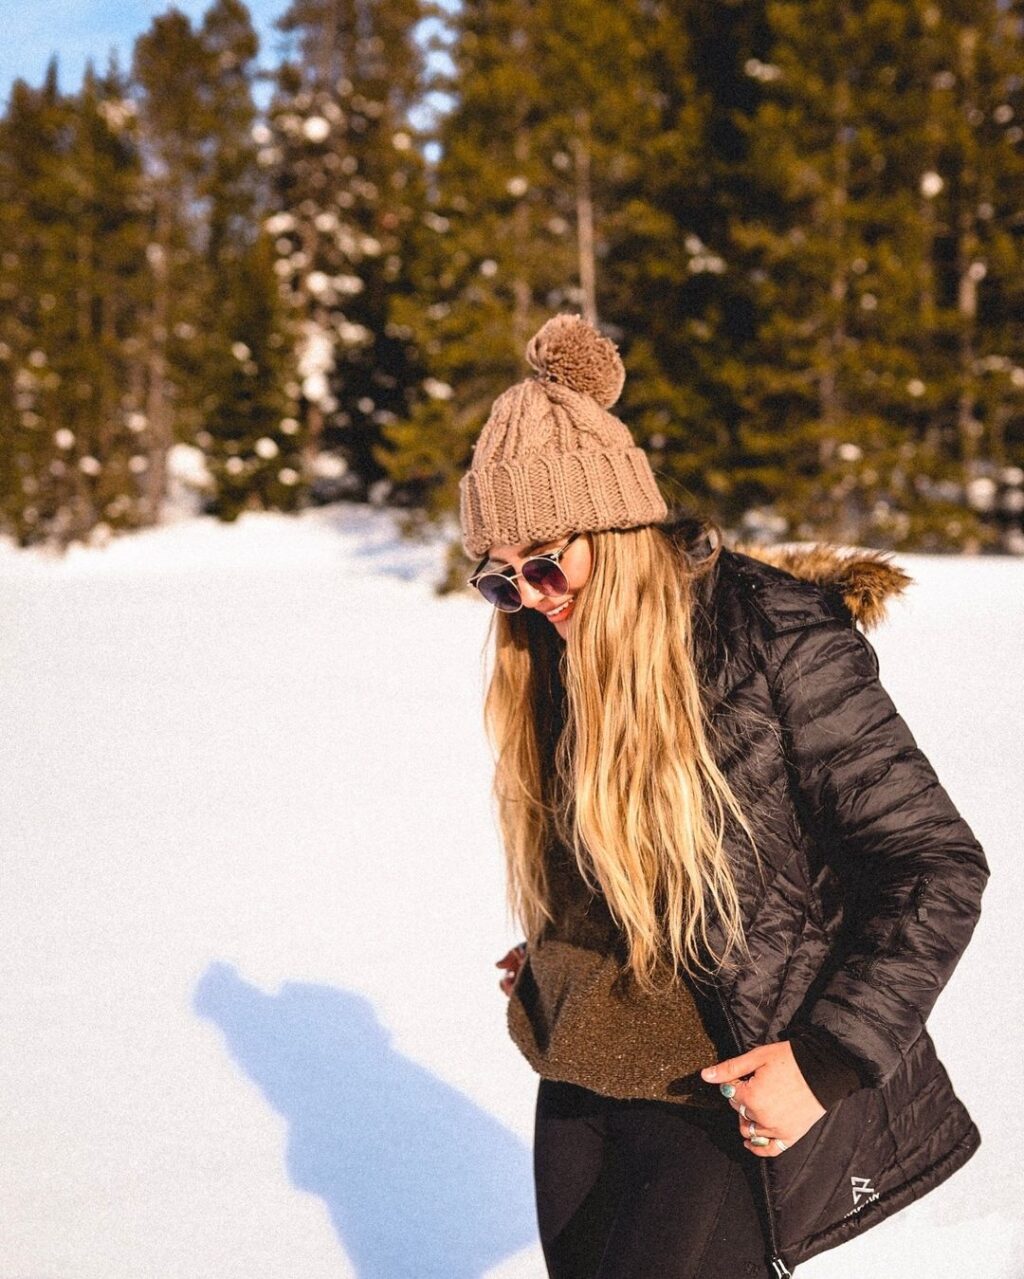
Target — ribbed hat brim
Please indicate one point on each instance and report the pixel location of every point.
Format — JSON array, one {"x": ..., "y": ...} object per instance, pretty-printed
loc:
[{"x": 540, "y": 498}]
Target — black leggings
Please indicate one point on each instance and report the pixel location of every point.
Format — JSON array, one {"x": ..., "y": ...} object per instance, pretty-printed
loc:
[{"x": 642, "y": 1189}]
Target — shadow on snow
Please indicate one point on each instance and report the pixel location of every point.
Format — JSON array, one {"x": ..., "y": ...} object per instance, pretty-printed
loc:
[{"x": 417, "y": 1179}]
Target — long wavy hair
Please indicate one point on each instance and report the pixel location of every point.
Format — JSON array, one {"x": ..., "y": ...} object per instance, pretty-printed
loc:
[{"x": 602, "y": 744}]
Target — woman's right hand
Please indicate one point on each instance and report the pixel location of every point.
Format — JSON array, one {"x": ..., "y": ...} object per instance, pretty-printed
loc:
[{"x": 511, "y": 962}]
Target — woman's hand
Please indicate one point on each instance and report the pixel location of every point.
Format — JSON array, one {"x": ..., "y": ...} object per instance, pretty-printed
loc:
[
  {"x": 775, "y": 1097},
  {"x": 512, "y": 961}
]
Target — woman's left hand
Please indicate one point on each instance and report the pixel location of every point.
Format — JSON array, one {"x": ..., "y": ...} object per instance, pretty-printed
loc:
[{"x": 776, "y": 1097}]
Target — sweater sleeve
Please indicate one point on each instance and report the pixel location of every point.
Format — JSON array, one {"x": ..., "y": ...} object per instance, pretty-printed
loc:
[{"x": 830, "y": 1072}]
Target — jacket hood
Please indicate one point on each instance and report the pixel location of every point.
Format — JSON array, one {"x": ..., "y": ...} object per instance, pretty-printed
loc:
[{"x": 865, "y": 580}]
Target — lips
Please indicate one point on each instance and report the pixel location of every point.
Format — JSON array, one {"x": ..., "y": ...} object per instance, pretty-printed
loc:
[{"x": 560, "y": 613}]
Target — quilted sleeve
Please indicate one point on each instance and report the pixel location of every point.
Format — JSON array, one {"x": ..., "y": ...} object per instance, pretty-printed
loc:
[{"x": 872, "y": 794}]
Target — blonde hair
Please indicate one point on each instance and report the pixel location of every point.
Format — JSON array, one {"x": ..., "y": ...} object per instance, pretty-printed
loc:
[{"x": 603, "y": 744}]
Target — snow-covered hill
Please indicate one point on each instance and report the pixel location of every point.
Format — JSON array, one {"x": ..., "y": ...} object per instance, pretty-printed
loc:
[{"x": 252, "y": 897}]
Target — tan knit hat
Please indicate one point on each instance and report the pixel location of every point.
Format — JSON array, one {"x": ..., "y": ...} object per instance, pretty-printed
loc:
[{"x": 551, "y": 459}]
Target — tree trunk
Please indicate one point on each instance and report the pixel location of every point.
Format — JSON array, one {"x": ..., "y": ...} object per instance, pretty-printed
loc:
[
  {"x": 968, "y": 427},
  {"x": 834, "y": 341},
  {"x": 157, "y": 409},
  {"x": 522, "y": 294},
  {"x": 585, "y": 218}
]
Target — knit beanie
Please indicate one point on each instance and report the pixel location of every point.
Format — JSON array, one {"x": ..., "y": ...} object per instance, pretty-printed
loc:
[{"x": 551, "y": 459}]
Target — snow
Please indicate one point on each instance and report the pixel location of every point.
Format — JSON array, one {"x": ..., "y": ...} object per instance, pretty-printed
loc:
[{"x": 253, "y": 896}]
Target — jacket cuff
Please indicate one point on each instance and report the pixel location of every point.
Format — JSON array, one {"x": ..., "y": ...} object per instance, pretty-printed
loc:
[{"x": 830, "y": 1071}]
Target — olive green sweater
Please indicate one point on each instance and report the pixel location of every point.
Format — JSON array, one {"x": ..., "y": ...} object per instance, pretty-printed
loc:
[{"x": 575, "y": 1016}]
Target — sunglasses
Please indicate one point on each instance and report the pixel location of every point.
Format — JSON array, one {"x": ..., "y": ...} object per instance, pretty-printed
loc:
[{"x": 498, "y": 586}]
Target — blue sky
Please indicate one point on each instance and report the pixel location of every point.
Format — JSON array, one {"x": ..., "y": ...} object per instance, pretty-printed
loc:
[{"x": 76, "y": 30}]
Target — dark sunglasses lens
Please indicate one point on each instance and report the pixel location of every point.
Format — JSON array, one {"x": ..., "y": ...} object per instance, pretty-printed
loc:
[
  {"x": 499, "y": 591},
  {"x": 545, "y": 576}
]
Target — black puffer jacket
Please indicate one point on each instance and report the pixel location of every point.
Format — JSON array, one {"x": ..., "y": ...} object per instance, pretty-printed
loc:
[{"x": 872, "y": 889}]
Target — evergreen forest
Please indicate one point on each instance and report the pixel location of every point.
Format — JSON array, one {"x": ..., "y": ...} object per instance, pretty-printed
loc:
[{"x": 298, "y": 275}]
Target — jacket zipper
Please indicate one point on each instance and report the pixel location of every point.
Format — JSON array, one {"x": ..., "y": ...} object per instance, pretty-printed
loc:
[
  {"x": 779, "y": 1268},
  {"x": 920, "y": 911},
  {"x": 913, "y": 907}
]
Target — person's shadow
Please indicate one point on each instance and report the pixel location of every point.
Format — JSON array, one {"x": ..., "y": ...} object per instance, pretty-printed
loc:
[{"x": 418, "y": 1180}]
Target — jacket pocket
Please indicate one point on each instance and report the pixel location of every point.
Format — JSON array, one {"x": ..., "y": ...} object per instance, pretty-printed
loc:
[{"x": 914, "y": 909}]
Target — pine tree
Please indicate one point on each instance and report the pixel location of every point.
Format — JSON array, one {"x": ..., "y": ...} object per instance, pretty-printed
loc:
[
  {"x": 29, "y": 150},
  {"x": 249, "y": 433},
  {"x": 812, "y": 151},
  {"x": 565, "y": 182},
  {"x": 251, "y": 438},
  {"x": 670, "y": 287},
  {"x": 493, "y": 242},
  {"x": 970, "y": 331},
  {"x": 171, "y": 73},
  {"x": 218, "y": 339},
  {"x": 70, "y": 188},
  {"x": 347, "y": 186},
  {"x": 864, "y": 390}
]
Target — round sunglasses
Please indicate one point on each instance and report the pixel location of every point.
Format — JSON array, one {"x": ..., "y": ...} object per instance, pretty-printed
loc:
[{"x": 498, "y": 586}]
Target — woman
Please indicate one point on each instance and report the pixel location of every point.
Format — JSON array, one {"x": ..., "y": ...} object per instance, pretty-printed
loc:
[{"x": 742, "y": 884}]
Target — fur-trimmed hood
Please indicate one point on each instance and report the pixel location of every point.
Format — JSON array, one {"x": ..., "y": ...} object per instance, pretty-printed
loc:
[{"x": 865, "y": 579}]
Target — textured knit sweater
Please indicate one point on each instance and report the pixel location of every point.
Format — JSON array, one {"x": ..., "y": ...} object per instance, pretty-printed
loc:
[{"x": 575, "y": 1019}]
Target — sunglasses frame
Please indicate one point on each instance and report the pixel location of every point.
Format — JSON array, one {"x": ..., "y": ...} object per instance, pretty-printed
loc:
[{"x": 551, "y": 556}]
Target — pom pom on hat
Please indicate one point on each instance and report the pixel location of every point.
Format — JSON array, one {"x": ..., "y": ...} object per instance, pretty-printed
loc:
[
  {"x": 569, "y": 350},
  {"x": 551, "y": 459}
]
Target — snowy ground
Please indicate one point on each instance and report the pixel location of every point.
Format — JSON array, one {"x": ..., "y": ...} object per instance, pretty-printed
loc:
[{"x": 252, "y": 897}]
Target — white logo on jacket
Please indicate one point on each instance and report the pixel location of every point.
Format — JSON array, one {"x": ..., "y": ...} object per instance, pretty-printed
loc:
[{"x": 863, "y": 1193}]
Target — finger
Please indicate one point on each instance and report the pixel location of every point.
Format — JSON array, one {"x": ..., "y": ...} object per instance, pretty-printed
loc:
[
  {"x": 764, "y": 1152},
  {"x": 771, "y": 1148},
  {"x": 753, "y": 1139},
  {"x": 732, "y": 1068},
  {"x": 740, "y": 1095},
  {"x": 760, "y": 1129}
]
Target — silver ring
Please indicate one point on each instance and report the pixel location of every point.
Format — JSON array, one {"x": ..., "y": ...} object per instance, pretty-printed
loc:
[
  {"x": 752, "y": 1129},
  {"x": 781, "y": 1144},
  {"x": 743, "y": 1110}
]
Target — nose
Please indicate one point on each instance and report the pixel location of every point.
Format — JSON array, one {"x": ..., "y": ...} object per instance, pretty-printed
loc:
[{"x": 530, "y": 596}]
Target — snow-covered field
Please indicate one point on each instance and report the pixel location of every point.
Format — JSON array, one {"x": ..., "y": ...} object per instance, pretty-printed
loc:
[{"x": 252, "y": 897}]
